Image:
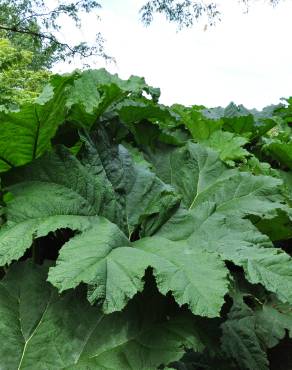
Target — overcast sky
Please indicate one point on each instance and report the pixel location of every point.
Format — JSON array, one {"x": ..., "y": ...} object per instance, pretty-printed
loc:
[{"x": 247, "y": 58}]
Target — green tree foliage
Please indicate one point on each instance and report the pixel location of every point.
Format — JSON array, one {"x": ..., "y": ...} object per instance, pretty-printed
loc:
[
  {"x": 19, "y": 84},
  {"x": 185, "y": 13},
  {"x": 34, "y": 25}
]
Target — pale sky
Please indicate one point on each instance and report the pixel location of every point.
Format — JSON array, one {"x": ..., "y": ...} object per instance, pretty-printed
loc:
[{"x": 247, "y": 58}]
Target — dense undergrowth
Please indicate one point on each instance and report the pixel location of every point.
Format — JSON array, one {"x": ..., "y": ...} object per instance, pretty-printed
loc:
[{"x": 136, "y": 236}]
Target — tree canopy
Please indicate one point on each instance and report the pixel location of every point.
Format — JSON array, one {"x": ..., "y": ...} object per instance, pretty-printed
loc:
[
  {"x": 184, "y": 13},
  {"x": 19, "y": 83},
  {"x": 34, "y": 25}
]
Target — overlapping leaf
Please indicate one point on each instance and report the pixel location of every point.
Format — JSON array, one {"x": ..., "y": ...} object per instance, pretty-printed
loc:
[
  {"x": 186, "y": 272},
  {"x": 115, "y": 269},
  {"x": 240, "y": 340},
  {"x": 57, "y": 190},
  {"x": 273, "y": 319},
  {"x": 226, "y": 130},
  {"x": 27, "y": 134},
  {"x": 107, "y": 263},
  {"x": 280, "y": 151},
  {"x": 254, "y": 327},
  {"x": 45, "y": 201},
  {"x": 80, "y": 98},
  {"x": 40, "y": 329},
  {"x": 229, "y": 146},
  {"x": 242, "y": 121},
  {"x": 95, "y": 91},
  {"x": 143, "y": 198},
  {"x": 218, "y": 199}
]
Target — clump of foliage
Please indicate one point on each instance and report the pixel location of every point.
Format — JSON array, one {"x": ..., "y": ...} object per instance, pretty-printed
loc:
[
  {"x": 140, "y": 236},
  {"x": 19, "y": 83}
]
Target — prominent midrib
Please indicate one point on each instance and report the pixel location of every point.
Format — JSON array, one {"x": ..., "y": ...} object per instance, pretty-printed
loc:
[
  {"x": 10, "y": 164},
  {"x": 204, "y": 191},
  {"x": 87, "y": 339},
  {"x": 125, "y": 342},
  {"x": 197, "y": 193},
  {"x": 37, "y": 133},
  {"x": 198, "y": 182},
  {"x": 33, "y": 332},
  {"x": 221, "y": 205}
]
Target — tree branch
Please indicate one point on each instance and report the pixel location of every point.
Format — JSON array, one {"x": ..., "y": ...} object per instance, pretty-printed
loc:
[{"x": 48, "y": 37}]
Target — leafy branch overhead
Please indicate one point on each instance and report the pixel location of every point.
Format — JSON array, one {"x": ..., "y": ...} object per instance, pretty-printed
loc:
[
  {"x": 35, "y": 25},
  {"x": 185, "y": 13},
  {"x": 140, "y": 236}
]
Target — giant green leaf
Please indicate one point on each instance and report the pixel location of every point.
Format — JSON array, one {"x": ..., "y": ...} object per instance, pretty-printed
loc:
[
  {"x": 254, "y": 327},
  {"x": 198, "y": 174},
  {"x": 218, "y": 199},
  {"x": 133, "y": 111},
  {"x": 53, "y": 192},
  {"x": 102, "y": 258},
  {"x": 80, "y": 98},
  {"x": 26, "y": 134},
  {"x": 96, "y": 91},
  {"x": 200, "y": 126},
  {"x": 242, "y": 121},
  {"x": 140, "y": 345},
  {"x": 273, "y": 319},
  {"x": 206, "y": 128},
  {"x": 280, "y": 151},
  {"x": 186, "y": 273},
  {"x": 39, "y": 328},
  {"x": 142, "y": 196},
  {"x": 57, "y": 190},
  {"x": 236, "y": 240},
  {"x": 87, "y": 89},
  {"x": 240, "y": 341},
  {"x": 228, "y": 145},
  {"x": 43, "y": 330}
]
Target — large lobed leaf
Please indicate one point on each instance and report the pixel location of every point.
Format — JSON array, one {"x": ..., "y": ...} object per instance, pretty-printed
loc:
[
  {"x": 240, "y": 340},
  {"x": 280, "y": 151},
  {"x": 207, "y": 128},
  {"x": 58, "y": 191},
  {"x": 115, "y": 270},
  {"x": 52, "y": 191},
  {"x": 218, "y": 201},
  {"x": 26, "y": 134},
  {"x": 255, "y": 323},
  {"x": 43, "y": 330},
  {"x": 141, "y": 196},
  {"x": 45, "y": 201},
  {"x": 79, "y": 98}
]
